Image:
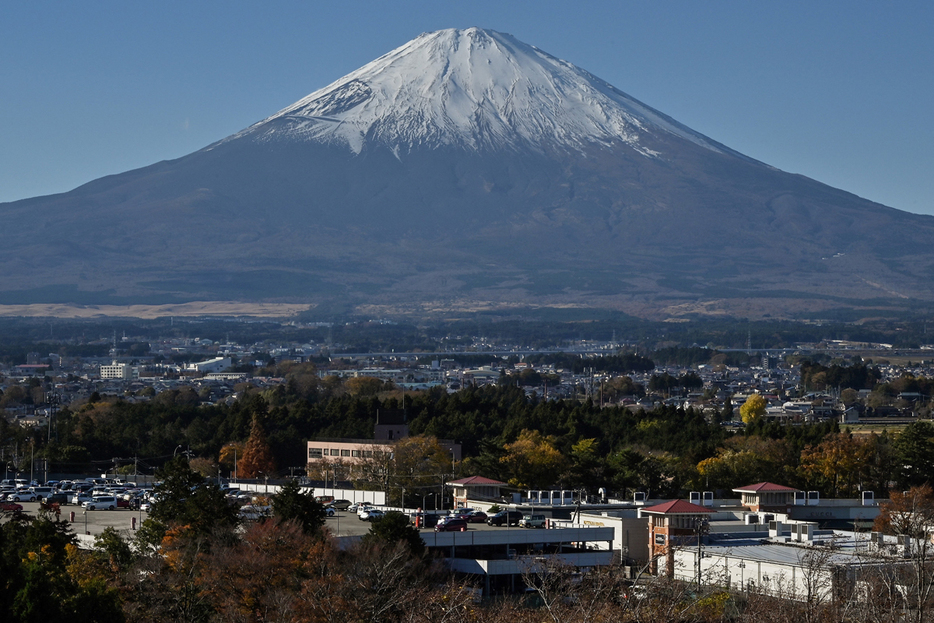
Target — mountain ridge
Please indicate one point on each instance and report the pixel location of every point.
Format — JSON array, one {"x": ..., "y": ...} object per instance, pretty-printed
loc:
[{"x": 429, "y": 195}]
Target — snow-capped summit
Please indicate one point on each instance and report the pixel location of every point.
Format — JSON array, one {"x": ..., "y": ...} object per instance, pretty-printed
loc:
[
  {"x": 473, "y": 88},
  {"x": 467, "y": 171}
]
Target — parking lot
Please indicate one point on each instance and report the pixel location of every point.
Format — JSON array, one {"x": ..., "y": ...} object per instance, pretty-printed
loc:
[{"x": 92, "y": 523}]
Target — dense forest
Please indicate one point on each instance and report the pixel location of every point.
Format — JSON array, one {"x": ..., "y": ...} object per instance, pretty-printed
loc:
[{"x": 505, "y": 434}]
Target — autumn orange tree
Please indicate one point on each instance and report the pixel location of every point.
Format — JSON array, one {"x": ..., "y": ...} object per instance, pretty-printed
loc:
[
  {"x": 257, "y": 457},
  {"x": 365, "y": 386},
  {"x": 837, "y": 463},
  {"x": 230, "y": 454},
  {"x": 911, "y": 514},
  {"x": 907, "y": 512}
]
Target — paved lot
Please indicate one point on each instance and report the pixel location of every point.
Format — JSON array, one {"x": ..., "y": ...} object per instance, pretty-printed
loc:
[{"x": 92, "y": 523}]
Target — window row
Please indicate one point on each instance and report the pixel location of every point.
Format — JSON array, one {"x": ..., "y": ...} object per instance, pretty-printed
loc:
[{"x": 320, "y": 453}]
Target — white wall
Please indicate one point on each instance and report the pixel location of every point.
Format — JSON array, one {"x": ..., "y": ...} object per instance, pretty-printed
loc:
[{"x": 377, "y": 498}]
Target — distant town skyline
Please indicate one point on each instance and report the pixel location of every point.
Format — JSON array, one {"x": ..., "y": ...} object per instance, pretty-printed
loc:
[{"x": 838, "y": 92}]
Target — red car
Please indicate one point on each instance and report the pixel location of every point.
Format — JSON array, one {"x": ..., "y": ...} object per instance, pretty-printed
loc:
[
  {"x": 452, "y": 525},
  {"x": 476, "y": 517},
  {"x": 10, "y": 506}
]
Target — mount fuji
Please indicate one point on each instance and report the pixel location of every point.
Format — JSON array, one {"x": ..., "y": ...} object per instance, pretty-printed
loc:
[{"x": 469, "y": 170}]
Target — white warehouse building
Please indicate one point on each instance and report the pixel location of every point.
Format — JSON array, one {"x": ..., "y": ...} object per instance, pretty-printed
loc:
[{"x": 218, "y": 364}]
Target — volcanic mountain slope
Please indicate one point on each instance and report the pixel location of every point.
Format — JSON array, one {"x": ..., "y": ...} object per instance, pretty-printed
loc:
[{"x": 465, "y": 165}]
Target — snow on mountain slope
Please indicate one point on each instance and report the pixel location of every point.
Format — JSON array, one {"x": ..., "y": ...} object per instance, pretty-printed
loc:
[{"x": 476, "y": 89}]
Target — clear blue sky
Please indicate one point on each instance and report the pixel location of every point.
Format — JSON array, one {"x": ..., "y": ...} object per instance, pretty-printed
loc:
[{"x": 842, "y": 92}]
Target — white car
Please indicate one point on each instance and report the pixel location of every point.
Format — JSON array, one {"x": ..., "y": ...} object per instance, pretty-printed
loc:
[
  {"x": 371, "y": 514},
  {"x": 41, "y": 492},
  {"x": 101, "y": 502},
  {"x": 21, "y": 496},
  {"x": 79, "y": 499}
]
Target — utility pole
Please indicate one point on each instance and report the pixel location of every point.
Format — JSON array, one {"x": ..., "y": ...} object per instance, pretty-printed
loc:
[{"x": 700, "y": 526}]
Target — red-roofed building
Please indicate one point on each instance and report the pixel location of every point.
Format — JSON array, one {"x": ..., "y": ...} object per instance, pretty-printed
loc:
[
  {"x": 671, "y": 524},
  {"x": 475, "y": 488},
  {"x": 767, "y": 496}
]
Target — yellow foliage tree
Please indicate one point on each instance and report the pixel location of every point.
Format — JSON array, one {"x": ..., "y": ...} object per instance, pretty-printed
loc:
[
  {"x": 533, "y": 460},
  {"x": 753, "y": 408}
]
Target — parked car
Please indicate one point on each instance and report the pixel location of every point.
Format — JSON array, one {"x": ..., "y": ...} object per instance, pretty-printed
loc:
[
  {"x": 532, "y": 521},
  {"x": 79, "y": 499},
  {"x": 330, "y": 512},
  {"x": 454, "y": 524},
  {"x": 254, "y": 512},
  {"x": 340, "y": 505},
  {"x": 509, "y": 518},
  {"x": 56, "y": 498},
  {"x": 476, "y": 517},
  {"x": 21, "y": 495},
  {"x": 101, "y": 502},
  {"x": 10, "y": 506},
  {"x": 41, "y": 492},
  {"x": 356, "y": 508},
  {"x": 371, "y": 514}
]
